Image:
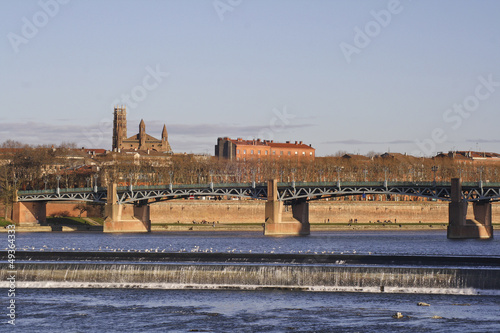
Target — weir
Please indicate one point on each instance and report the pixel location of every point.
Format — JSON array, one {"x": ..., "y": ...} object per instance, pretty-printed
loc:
[
  {"x": 258, "y": 258},
  {"x": 356, "y": 273},
  {"x": 250, "y": 277}
]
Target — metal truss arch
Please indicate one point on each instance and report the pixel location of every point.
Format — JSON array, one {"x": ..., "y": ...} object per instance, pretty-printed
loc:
[{"x": 286, "y": 191}]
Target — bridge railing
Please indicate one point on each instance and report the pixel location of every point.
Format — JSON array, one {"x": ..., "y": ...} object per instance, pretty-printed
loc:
[
  {"x": 484, "y": 184},
  {"x": 61, "y": 190},
  {"x": 36, "y": 192},
  {"x": 187, "y": 186},
  {"x": 259, "y": 184},
  {"x": 368, "y": 184}
]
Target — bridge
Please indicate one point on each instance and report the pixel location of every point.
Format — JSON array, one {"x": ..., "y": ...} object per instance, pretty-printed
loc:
[{"x": 127, "y": 207}]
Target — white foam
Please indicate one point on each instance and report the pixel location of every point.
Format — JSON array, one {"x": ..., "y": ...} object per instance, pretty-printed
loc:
[{"x": 177, "y": 286}]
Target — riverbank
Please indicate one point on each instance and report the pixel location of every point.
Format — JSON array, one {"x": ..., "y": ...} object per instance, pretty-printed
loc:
[
  {"x": 331, "y": 211},
  {"x": 66, "y": 224},
  {"x": 248, "y": 215},
  {"x": 314, "y": 227}
]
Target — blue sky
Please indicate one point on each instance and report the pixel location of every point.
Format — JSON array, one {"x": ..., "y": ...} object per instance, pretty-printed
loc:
[{"x": 356, "y": 76}]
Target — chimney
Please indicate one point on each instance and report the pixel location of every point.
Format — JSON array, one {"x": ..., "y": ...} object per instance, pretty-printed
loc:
[{"x": 300, "y": 142}]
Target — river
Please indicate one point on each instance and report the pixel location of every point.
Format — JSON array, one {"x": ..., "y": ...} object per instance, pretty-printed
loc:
[{"x": 136, "y": 308}]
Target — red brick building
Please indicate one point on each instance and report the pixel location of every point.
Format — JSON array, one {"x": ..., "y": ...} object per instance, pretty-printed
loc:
[{"x": 243, "y": 150}]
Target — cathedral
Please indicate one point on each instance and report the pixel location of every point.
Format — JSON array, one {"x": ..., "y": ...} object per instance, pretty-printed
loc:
[{"x": 139, "y": 141}]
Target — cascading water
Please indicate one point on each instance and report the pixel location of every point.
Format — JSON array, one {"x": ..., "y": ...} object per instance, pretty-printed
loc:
[{"x": 245, "y": 276}]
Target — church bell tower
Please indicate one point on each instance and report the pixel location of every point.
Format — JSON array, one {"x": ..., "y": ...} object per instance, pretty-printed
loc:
[{"x": 119, "y": 126}]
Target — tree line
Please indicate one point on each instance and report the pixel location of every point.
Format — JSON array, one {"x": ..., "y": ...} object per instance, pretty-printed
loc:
[{"x": 27, "y": 167}]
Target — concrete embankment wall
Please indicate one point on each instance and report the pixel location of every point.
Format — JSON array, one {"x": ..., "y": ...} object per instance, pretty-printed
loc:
[
  {"x": 236, "y": 211},
  {"x": 319, "y": 212}
]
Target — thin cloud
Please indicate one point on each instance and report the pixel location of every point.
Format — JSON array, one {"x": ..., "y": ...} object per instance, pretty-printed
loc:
[
  {"x": 217, "y": 130},
  {"x": 359, "y": 142},
  {"x": 182, "y": 137},
  {"x": 42, "y": 133},
  {"x": 484, "y": 141}
]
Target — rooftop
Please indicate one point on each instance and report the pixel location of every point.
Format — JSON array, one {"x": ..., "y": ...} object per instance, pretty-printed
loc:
[{"x": 269, "y": 143}]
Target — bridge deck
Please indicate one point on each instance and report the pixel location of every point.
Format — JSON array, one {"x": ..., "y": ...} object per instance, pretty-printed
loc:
[{"x": 471, "y": 191}]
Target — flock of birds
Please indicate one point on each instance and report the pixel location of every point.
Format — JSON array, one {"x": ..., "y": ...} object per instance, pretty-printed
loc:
[{"x": 195, "y": 249}]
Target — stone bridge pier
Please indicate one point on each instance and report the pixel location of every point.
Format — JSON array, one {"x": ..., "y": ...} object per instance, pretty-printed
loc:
[
  {"x": 28, "y": 214},
  {"x": 274, "y": 226},
  {"x": 125, "y": 217},
  {"x": 459, "y": 226}
]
